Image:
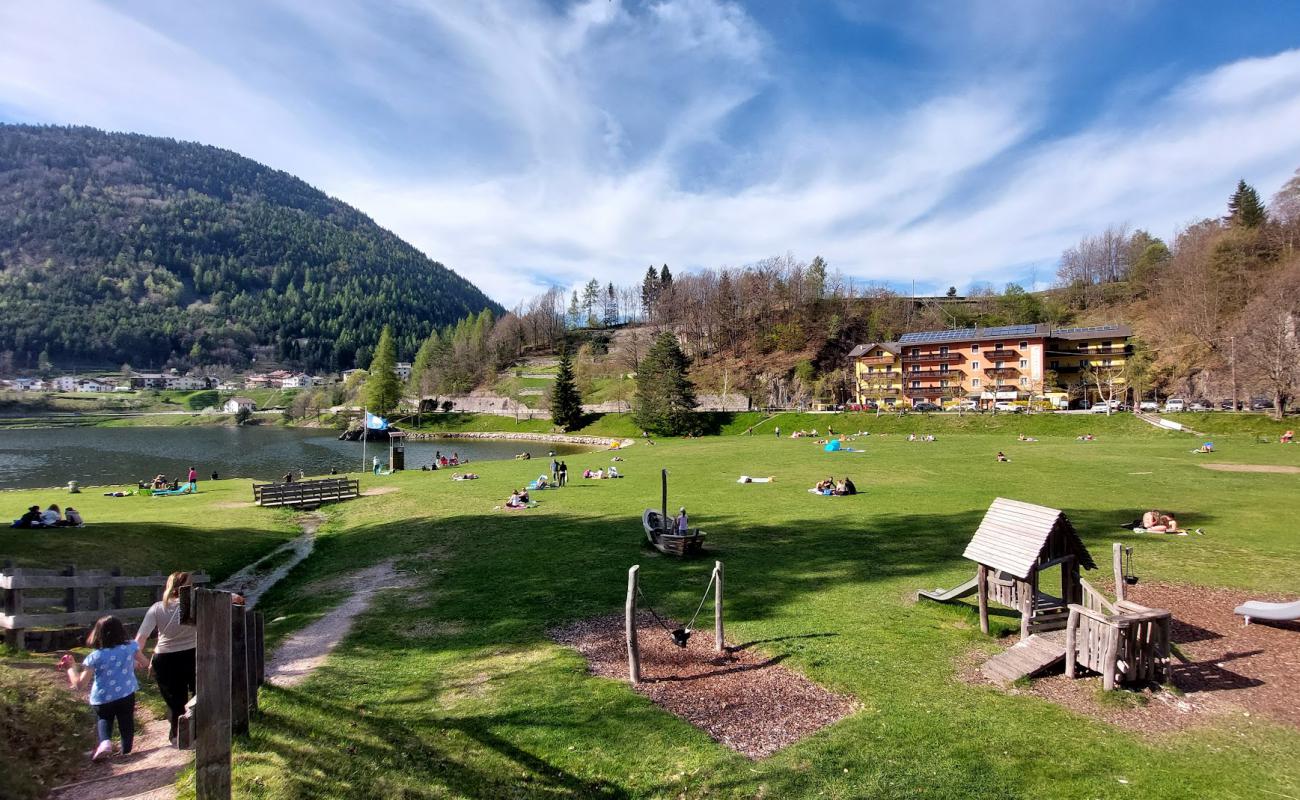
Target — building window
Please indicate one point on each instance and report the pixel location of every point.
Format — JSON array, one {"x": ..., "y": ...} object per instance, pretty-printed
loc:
[
  {"x": 943, "y": 384},
  {"x": 974, "y": 365},
  {"x": 999, "y": 345},
  {"x": 997, "y": 365},
  {"x": 1023, "y": 345},
  {"x": 1056, "y": 364},
  {"x": 943, "y": 350},
  {"x": 974, "y": 348},
  {"x": 916, "y": 384},
  {"x": 916, "y": 367},
  {"x": 916, "y": 351},
  {"x": 1024, "y": 381},
  {"x": 943, "y": 369},
  {"x": 1024, "y": 363},
  {"x": 975, "y": 383}
]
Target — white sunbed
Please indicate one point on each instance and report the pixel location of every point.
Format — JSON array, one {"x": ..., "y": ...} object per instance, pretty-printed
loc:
[{"x": 1273, "y": 612}]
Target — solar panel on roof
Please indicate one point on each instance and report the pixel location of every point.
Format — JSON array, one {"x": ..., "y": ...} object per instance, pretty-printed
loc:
[{"x": 1089, "y": 329}]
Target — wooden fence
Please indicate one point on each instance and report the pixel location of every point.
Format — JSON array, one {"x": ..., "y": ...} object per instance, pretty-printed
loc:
[
  {"x": 231, "y": 663},
  {"x": 1124, "y": 641},
  {"x": 49, "y": 609},
  {"x": 306, "y": 494}
]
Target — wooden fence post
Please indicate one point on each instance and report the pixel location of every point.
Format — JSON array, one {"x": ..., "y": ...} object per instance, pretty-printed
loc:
[
  {"x": 13, "y": 606},
  {"x": 261, "y": 647},
  {"x": 1117, "y": 562},
  {"x": 1071, "y": 642},
  {"x": 70, "y": 594},
  {"x": 238, "y": 670},
  {"x": 982, "y": 585},
  {"x": 717, "y": 608},
  {"x": 212, "y": 711},
  {"x": 633, "y": 651}
]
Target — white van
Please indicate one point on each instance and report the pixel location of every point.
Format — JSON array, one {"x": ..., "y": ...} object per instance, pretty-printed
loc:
[{"x": 1174, "y": 405}]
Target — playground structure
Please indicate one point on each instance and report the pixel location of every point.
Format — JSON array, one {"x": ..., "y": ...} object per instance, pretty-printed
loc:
[
  {"x": 1015, "y": 543},
  {"x": 659, "y": 529},
  {"x": 680, "y": 635}
]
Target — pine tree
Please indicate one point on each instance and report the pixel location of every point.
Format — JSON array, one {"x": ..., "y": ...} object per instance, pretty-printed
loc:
[
  {"x": 649, "y": 292},
  {"x": 383, "y": 389},
  {"x": 611, "y": 306},
  {"x": 1245, "y": 208},
  {"x": 590, "y": 297},
  {"x": 665, "y": 396},
  {"x": 575, "y": 311},
  {"x": 665, "y": 279},
  {"x": 423, "y": 370},
  {"x": 566, "y": 402}
]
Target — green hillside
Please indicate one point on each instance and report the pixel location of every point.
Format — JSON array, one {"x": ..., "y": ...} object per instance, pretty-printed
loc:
[{"x": 125, "y": 248}]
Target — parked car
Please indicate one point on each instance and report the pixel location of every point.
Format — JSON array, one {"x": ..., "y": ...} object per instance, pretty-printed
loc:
[
  {"x": 1149, "y": 405},
  {"x": 926, "y": 406},
  {"x": 1260, "y": 404},
  {"x": 1199, "y": 406},
  {"x": 1011, "y": 408},
  {"x": 965, "y": 405},
  {"x": 1228, "y": 405},
  {"x": 1175, "y": 404}
]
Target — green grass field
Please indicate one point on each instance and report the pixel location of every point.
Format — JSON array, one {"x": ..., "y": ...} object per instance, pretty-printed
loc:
[{"x": 452, "y": 688}]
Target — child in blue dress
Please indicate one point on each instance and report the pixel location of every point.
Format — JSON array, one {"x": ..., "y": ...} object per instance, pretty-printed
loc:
[{"x": 111, "y": 666}]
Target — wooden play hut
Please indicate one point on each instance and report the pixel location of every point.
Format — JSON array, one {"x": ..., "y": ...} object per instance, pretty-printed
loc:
[{"x": 1015, "y": 543}]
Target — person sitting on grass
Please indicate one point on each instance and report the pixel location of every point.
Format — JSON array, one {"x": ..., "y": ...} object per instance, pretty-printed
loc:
[
  {"x": 1002, "y": 456},
  {"x": 1207, "y": 447},
  {"x": 542, "y": 482},
  {"x": 109, "y": 670},
  {"x": 32, "y": 519},
  {"x": 1287, "y": 437},
  {"x": 516, "y": 501},
  {"x": 72, "y": 518},
  {"x": 1154, "y": 521},
  {"x": 614, "y": 473},
  {"x": 846, "y": 487}
]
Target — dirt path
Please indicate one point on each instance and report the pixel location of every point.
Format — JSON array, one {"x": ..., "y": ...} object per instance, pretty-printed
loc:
[
  {"x": 253, "y": 581},
  {"x": 300, "y": 654}
]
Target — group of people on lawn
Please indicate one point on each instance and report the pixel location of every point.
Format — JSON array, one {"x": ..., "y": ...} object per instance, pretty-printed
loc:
[
  {"x": 831, "y": 487},
  {"x": 51, "y": 517}
]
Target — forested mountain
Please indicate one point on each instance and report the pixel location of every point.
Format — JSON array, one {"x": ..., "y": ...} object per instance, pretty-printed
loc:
[{"x": 127, "y": 248}]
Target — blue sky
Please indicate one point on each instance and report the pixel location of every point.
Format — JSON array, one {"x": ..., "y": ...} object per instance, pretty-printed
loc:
[{"x": 526, "y": 143}]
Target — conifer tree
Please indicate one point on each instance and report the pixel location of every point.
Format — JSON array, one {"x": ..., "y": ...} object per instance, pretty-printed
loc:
[
  {"x": 1245, "y": 208},
  {"x": 566, "y": 402},
  {"x": 665, "y": 396},
  {"x": 383, "y": 390},
  {"x": 649, "y": 292}
]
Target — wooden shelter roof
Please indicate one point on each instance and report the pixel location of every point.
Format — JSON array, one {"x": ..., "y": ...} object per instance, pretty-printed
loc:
[{"x": 1013, "y": 534}]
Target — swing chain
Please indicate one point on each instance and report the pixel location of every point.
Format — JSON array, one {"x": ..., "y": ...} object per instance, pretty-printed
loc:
[{"x": 713, "y": 577}]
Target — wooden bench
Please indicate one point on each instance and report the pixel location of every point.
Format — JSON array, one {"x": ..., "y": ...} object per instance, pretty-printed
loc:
[{"x": 306, "y": 494}]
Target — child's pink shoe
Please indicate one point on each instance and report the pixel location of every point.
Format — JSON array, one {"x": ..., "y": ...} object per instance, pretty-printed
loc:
[{"x": 104, "y": 749}]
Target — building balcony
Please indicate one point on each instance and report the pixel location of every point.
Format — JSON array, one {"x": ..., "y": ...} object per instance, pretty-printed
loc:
[
  {"x": 872, "y": 391},
  {"x": 933, "y": 358},
  {"x": 932, "y": 391},
  {"x": 877, "y": 361},
  {"x": 1002, "y": 372},
  {"x": 997, "y": 353}
]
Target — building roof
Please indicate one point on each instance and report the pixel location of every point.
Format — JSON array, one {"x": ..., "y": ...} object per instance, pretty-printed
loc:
[
  {"x": 1013, "y": 534},
  {"x": 241, "y": 400},
  {"x": 1094, "y": 332},
  {"x": 863, "y": 349},
  {"x": 973, "y": 334}
]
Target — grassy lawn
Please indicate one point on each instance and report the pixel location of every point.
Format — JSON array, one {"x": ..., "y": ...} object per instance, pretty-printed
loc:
[{"x": 452, "y": 688}]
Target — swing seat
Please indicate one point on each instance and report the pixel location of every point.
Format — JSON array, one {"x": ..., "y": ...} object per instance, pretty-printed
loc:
[{"x": 681, "y": 636}]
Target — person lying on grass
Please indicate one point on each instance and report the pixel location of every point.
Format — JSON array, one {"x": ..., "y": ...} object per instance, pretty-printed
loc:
[
  {"x": 468, "y": 476},
  {"x": 1002, "y": 456},
  {"x": 1025, "y": 438},
  {"x": 1154, "y": 521}
]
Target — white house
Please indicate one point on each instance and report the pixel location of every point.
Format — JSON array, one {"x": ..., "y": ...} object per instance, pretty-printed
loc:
[
  {"x": 298, "y": 381},
  {"x": 185, "y": 383},
  {"x": 236, "y": 404},
  {"x": 65, "y": 383},
  {"x": 403, "y": 370},
  {"x": 92, "y": 385},
  {"x": 29, "y": 384}
]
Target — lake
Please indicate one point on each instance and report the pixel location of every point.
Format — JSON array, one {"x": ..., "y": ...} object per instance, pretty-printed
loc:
[{"x": 97, "y": 456}]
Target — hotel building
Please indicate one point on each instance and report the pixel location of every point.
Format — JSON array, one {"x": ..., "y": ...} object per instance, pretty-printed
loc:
[{"x": 986, "y": 365}]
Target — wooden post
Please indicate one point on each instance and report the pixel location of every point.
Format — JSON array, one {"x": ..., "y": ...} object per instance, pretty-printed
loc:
[
  {"x": 1110, "y": 657},
  {"x": 717, "y": 608},
  {"x": 1067, "y": 580},
  {"x": 212, "y": 709},
  {"x": 238, "y": 670},
  {"x": 261, "y": 647},
  {"x": 982, "y": 585},
  {"x": 663, "y": 499},
  {"x": 1117, "y": 562},
  {"x": 1071, "y": 651},
  {"x": 1026, "y": 588},
  {"x": 119, "y": 600},
  {"x": 633, "y": 651},
  {"x": 70, "y": 594},
  {"x": 250, "y": 658}
]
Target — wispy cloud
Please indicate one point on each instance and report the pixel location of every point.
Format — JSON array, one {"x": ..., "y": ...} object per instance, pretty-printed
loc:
[{"x": 523, "y": 143}]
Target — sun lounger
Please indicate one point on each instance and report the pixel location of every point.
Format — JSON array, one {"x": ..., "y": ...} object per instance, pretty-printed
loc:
[{"x": 1272, "y": 612}]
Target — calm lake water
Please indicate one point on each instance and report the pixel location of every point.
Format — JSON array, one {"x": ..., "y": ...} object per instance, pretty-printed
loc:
[{"x": 97, "y": 456}]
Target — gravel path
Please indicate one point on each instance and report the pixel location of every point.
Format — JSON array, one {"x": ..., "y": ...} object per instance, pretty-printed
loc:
[
  {"x": 307, "y": 649},
  {"x": 252, "y": 582}
]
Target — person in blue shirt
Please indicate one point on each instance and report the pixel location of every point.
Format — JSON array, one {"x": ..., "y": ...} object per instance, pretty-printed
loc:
[{"x": 110, "y": 671}]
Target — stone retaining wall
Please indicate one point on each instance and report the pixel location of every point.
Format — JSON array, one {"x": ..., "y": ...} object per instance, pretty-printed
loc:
[{"x": 563, "y": 438}]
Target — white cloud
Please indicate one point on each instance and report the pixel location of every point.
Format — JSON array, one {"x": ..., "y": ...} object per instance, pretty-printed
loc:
[{"x": 523, "y": 145}]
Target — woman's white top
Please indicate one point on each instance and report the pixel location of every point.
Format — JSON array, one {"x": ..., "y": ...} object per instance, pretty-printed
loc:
[{"x": 172, "y": 635}]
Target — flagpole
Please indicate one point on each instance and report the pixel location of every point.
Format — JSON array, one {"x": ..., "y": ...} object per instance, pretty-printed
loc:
[{"x": 364, "y": 431}]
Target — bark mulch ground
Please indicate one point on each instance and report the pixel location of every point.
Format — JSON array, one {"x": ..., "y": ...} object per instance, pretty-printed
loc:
[
  {"x": 1227, "y": 667},
  {"x": 743, "y": 699}
]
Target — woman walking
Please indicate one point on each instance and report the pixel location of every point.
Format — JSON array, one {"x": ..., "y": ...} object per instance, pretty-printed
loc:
[
  {"x": 111, "y": 667},
  {"x": 173, "y": 655}
]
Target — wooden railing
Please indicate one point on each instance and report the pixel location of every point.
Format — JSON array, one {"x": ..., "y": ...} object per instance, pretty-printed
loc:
[
  {"x": 306, "y": 494},
  {"x": 82, "y": 598},
  {"x": 1123, "y": 641}
]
